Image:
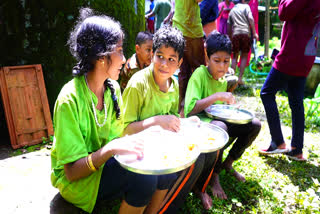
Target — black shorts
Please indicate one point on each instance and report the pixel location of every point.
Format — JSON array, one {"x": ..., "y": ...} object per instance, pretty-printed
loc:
[{"x": 137, "y": 189}]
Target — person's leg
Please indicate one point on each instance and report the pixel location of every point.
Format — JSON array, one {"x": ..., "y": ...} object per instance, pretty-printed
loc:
[
  {"x": 275, "y": 81},
  {"x": 245, "y": 47},
  {"x": 156, "y": 200},
  {"x": 126, "y": 208},
  {"x": 216, "y": 188},
  {"x": 245, "y": 134},
  {"x": 243, "y": 65},
  {"x": 164, "y": 183},
  {"x": 235, "y": 51},
  {"x": 180, "y": 189},
  {"x": 295, "y": 96},
  {"x": 204, "y": 179},
  {"x": 116, "y": 181},
  {"x": 234, "y": 60}
]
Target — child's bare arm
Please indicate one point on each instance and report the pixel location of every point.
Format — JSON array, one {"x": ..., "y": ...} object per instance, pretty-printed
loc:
[{"x": 206, "y": 102}]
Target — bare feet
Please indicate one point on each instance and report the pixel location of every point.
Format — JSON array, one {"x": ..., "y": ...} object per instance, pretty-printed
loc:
[
  {"x": 205, "y": 199},
  {"x": 216, "y": 188},
  {"x": 227, "y": 165},
  {"x": 236, "y": 174}
]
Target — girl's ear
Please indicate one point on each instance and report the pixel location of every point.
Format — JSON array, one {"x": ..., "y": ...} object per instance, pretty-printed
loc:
[{"x": 180, "y": 62}]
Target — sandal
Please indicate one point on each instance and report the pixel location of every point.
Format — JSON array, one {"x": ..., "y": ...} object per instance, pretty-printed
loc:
[
  {"x": 273, "y": 149},
  {"x": 294, "y": 155}
]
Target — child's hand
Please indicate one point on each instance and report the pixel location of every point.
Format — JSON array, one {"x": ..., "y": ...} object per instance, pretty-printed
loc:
[
  {"x": 127, "y": 145},
  {"x": 226, "y": 97},
  {"x": 169, "y": 122}
]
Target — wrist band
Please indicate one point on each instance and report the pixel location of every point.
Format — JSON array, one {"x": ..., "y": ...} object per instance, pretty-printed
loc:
[{"x": 91, "y": 166}]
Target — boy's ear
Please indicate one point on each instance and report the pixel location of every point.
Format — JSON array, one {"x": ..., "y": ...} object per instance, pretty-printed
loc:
[
  {"x": 206, "y": 56},
  {"x": 137, "y": 48}
]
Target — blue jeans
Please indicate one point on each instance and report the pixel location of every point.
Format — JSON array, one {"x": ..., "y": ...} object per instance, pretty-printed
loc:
[{"x": 294, "y": 86}]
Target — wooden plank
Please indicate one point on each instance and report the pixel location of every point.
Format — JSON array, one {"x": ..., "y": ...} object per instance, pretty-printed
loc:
[
  {"x": 26, "y": 104},
  {"x": 7, "y": 108},
  {"x": 44, "y": 99}
]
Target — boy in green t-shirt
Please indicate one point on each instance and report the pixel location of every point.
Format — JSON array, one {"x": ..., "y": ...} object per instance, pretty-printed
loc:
[
  {"x": 151, "y": 98},
  {"x": 139, "y": 60},
  {"x": 208, "y": 86}
]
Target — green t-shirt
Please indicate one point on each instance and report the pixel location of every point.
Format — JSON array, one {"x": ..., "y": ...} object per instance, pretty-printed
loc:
[
  {"x": 200, "y": 86},
  {"x": 161, "y": 11},
  {"x": 142, "y": 97},
  {"x": 187, "y": 18},
  {"x": 76, "y": 135}
]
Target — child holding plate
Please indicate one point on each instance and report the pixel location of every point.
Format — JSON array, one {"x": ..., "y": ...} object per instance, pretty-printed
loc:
[
  {"x": 151, "y": 98},
  {"x": 208, "y": 86},
  {"x": 88, "y": 122}
]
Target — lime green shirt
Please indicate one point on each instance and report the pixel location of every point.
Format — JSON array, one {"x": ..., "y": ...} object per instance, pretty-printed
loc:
[
  {"x": 76, "y": 135},
  {"x": 200, "y": 86},
  {"x": 142, "y": 97},
  {"x": 187, "y": 18}
]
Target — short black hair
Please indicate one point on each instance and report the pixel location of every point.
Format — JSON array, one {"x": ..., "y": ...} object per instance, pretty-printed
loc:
[
  {"x": 218, "y": 42},
  {"x": 142, "y": 37},
  {"x": 169, "y": 37}
]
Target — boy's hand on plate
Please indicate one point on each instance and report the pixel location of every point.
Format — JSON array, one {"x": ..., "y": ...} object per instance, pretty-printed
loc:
[
  {"x": 169, "y": 122},
  {"x": 226, "y": 97}
]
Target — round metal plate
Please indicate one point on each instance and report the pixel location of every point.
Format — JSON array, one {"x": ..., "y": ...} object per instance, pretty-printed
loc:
[
  {"x": 229, "y": 114},
  {"x": 165, "y": 152},
  {"x": 208, "y": 137}
]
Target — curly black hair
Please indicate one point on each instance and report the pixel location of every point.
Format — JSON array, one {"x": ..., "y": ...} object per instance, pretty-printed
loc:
[
  {"x": 218, "y": 42},
  {"x": 169, "y": 37},
  {"x": 94, "y": 37}
]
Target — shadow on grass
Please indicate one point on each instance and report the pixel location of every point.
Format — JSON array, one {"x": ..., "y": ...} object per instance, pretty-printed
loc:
[
  {"x": 300, "y": 173},
  {"x": 242, "y": 197}
]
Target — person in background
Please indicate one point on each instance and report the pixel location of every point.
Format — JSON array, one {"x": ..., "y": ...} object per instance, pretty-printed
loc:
[
  {"x": 240, "y": 25},
  {"x": 88, "y": 123},
  {"x": 289, "y": 71},
  {"x": 150, "y": 20},
  {"x": 224, "y": 10},
  {"x": 160, "y": 11},
  {"x": 253, "y": 4},
  {"x": 208, "y": 86},
  {"x": 186, "y": 17},
  {"x": 139, "y": 60},
  {"x": 209, "y": 13}
]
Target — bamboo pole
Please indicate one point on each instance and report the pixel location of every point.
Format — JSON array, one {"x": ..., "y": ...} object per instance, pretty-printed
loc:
[{"x": 267, "y": 29}]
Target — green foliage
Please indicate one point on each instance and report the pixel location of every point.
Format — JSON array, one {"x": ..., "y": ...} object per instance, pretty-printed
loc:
[
  {"x": 312, "y": 113},
  {"x": 36, "y": 32}
]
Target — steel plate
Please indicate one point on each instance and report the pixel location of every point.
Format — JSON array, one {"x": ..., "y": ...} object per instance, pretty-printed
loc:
[
  {"x": 207, "y": 136},
  {"x": 165, "y": 152},
  {"x": 229, "y": 114}
]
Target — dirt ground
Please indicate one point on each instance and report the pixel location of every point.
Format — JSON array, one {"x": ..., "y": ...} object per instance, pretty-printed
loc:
[{"x": 25, "y": 185}]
